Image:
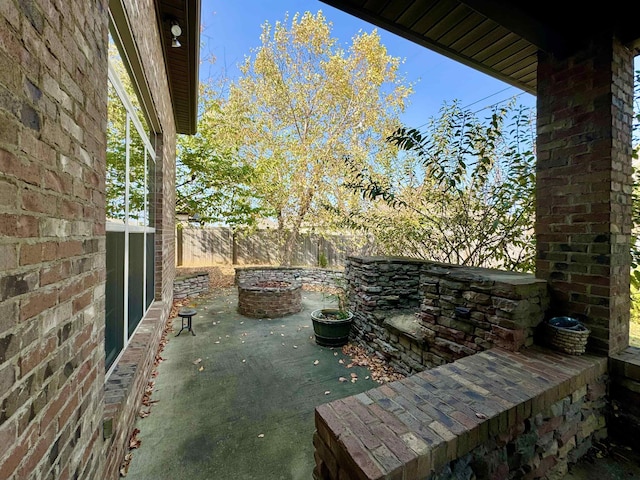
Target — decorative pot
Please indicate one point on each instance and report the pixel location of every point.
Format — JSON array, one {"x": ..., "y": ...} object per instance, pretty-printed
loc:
[
  {"x": 331, "y": 331},
  {"x": 567, "y": 334}
]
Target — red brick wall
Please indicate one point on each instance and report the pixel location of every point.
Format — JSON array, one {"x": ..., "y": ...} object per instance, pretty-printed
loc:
[
  {"x": 53, "y": 94},
  {"x": 126, "y": 385},
  {"x": 53, "y": 84},
  {"x": 583, "y": 207}
]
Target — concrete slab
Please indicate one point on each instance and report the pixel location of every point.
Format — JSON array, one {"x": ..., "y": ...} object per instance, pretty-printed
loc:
[{"x": 246, "y": 409}]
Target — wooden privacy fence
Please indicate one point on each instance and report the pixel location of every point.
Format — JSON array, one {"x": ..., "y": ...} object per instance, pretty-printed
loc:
[{"x": 196, "y": 247}]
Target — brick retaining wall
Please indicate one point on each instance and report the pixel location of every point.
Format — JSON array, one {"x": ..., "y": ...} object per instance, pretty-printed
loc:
[
  {"x": 420, "y": 314},
  {"x": 496, "y": 414}
]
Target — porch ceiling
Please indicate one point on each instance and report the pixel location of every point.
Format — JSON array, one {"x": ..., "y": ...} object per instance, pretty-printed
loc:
[
  {"x": 183, "y": 62},
  {"x": 500, "y": 37}
]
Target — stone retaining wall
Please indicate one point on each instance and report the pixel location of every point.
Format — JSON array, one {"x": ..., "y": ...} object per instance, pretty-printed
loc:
[
  {"x": 191, "y": 285},
  {"x": 310, "y": 278},
  {"x": 494, "y": 415},
  {"x": 420, "y": 314}
]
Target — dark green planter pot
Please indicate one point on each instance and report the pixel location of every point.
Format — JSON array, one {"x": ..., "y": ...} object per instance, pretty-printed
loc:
[{"x": 329, "y": 332}]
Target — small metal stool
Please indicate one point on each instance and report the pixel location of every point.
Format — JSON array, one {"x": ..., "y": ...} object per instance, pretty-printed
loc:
[{"x": 186, "y": 314}]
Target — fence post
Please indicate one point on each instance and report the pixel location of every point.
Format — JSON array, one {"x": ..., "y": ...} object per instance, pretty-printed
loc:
[
  {"x": 234, "y": 247},
  {"x": 179, "y": 246}
]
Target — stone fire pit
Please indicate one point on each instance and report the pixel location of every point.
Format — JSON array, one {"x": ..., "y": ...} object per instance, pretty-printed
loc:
[{"x": 269, "y": 298}]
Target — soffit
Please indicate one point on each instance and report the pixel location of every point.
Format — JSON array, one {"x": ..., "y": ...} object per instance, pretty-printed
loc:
[{"x": 499, "y": 37}]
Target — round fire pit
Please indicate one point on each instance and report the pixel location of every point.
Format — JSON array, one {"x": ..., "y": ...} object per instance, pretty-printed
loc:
[{"x": 269, "y": 298}]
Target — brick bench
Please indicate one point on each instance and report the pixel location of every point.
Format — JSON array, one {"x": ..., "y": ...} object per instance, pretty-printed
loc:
[{"x": 489, "y": 414}]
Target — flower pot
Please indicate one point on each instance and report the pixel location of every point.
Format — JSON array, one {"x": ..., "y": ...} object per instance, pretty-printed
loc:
[
  {"x": 331, "y": 331},
  {"x": 567, "y": 335}
]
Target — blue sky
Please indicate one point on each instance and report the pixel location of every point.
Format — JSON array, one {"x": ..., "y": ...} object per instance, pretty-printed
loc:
[{"x": 231, "y": 28}]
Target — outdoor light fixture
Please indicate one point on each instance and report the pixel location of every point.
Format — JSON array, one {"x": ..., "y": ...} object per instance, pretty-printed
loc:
[{"x": 176, "y": 31}]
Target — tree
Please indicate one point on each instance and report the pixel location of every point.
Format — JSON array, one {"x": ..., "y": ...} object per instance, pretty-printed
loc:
[
  {"x": 303, "y": 104},
  {"x": 466, "y": 193},
  {"x": 212, "y": 184}
]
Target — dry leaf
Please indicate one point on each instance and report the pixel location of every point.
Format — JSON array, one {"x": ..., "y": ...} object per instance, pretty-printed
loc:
[
  {"x": 327, "y": 392},
  {"x": 143, "y": 414},
  {"x": 217, "y": 341},
  {"x": 270, "y": 333},
  {"x": 341, "y": 361},
  {"x": 316, "y": 362},
  {"x": 197, "y": 361},
  {"x": 261, "y": 435},
  {"x": 481, "y": 415},
  {"x": 354, "y": 375},
  {"x": 244, "y": 361},
  {"x": 201, "y": 368},
  {"x": 241, "y": 323},
  {"x": 295, "y": 346},
  {"x": 342, "y": 379},
  {"x": 335, "y": 354},
  {"x": 354, "y": 380},
  {"x": 134, "y": 441},
  {"x": 282, "y": 334}
]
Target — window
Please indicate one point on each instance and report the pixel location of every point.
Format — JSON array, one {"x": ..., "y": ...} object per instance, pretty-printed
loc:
[{"x": 130, "y": 181}]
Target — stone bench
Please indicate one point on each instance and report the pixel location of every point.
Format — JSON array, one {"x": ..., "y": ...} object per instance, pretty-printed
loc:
[{"x": 489, "y": 414}]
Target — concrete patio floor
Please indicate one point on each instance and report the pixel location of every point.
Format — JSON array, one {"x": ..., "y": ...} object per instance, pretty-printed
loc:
[
  {"x": 255, "y": 377},
  {"x": 237, "y": 400}
]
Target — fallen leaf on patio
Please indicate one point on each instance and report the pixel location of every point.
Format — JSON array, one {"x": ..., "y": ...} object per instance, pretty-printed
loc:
[
  {"x": 242, "y": 341},
  {"x": 305, "y": 326},
  {"x": 295, "y": 346},
  {"x": 367, "y": 377},
  {"x": 282, "y": 326},
  {"x": 342, "y": 379},
  {"x": 124, "y": 469},
  {"x": 282, "y": 334},
  {"x": 134, "y": 441},
  {"x": 283, "y": 344},
  {"x": 335, "y": 354},
  {"x": 201, "y": 368},
  {"x": 213, "y": 323},
  {"x": 270, "y": 333},
  {"x": 226, "y": 336},
  {"x": 197, "y": 361},
  {"x": 244, "y": 361},
  {"x": 481, "y": 415},
  {"x": 316, "y": 362},
  {"x": 143, "y": 414},
  {"x": 311, "y": 337},
  {"x": 341, "y": 361},
  {"x": 261, "y": 435},
  {"x": 327, "y": 392},
  {"x": 217, "y": 341},
  {"x": 241, "y": 323}
]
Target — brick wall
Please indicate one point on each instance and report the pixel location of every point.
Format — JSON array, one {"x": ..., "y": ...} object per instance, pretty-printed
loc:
[
  {"x": 419, "y": 314},
  {"x": 496, "y": 414},
  {"x": 52, "y": 160},
  {"x": 583, "y": 209},
  {"x": 53, "y": 93},
  {"x": 126, "y": 385}
]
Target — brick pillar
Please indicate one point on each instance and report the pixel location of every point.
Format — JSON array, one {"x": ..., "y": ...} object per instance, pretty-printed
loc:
[{"x": 583, "y": 219}]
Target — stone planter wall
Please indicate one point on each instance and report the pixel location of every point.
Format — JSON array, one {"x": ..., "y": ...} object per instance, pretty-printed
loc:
[
  {"x": 310, "y": 278},
  {"x": 191, "y": 285},
  {"x": 420, "y": 314}
]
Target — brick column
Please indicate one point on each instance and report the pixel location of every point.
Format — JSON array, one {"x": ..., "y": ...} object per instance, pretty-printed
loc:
[{"x": 583, "y": 219}]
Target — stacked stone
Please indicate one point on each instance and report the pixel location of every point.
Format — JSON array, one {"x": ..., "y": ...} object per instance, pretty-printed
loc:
[
  {"x": 191, "y": 286},
  {"x": 380, "y": 288},
  {"x": 418, "y": 314},
  {"x": 310, "y": 278},
  {"x": 545, "y": 444},
  {"x": 472, "y": 309}
]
